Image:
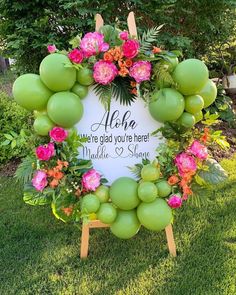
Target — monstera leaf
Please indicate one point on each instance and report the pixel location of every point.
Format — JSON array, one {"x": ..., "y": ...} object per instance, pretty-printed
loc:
[
  {"x": 60, "y": 204},
  {"x": 33, "y": 197},
  {"x": 215, "y": 174}
]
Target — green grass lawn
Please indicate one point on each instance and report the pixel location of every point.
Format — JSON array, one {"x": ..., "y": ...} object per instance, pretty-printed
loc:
[{"x": 40, "y": 255}]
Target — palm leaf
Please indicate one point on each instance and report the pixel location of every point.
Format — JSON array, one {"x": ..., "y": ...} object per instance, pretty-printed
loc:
[
  {"x": 149, "y": 37},
  {"x": 25, "y": 170},
  {"x": 104, "y": 93},
  {"x": 136, "y": 170},
  {"x": 121, "y": 90}
]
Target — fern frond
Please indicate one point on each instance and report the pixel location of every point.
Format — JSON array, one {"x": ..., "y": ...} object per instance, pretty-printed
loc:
[
  {"x": 161, "y": 72},
  {"x": 136, "y": 170},
  {"x": 149, "y": 38},
  {"x": 104, "y": 93},
  {"x": 121, "y": 90},
  {"x": 25, "y": 170}
]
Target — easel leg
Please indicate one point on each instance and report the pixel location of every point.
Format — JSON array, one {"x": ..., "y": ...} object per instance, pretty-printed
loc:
[
  {"x": 84, "y": 241},
  {"x": 170, "y": 240}
]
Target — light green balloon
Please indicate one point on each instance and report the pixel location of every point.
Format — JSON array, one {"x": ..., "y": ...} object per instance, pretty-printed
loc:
[
  {"x": 126, "y": 224},
  {"x": 102, "y": 192},
  {"x": 208, "y": 93},
  {"x": 164, "y": 189},
  {"x": 124, "y": 193},
  {"x": 80, "y": 90},
  {"x": 65, "y": 109},
  {"x": 150, "y": 172},
  {"x": 194, "y": 103},
  {"x": 85, "y": 76},
  {"x": 154, "y": 216},
  {"x": 107, "y": 213},
  {"x": 42, "y": 125},
  {"x": 198, "y": 116},
  {"x": 30, "y": 93},
  {"x": 147, "y": 191},
  {"x": 56, "y": 73},
  {"x": 90, "y": 203},
  {"x": 167, "y": 105},
  {"x": 187, "y": 120},
  {"x": 190, "y": 75}
]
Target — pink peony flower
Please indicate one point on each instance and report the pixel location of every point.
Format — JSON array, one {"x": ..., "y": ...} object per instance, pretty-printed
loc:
[
  {"x": 51, "y": 48},
  {"x": 91, "y": 180},
  {"x": 175, "y": 201},
  {"x": 45, "y": 152},
  {"x": 58, "y": 134},
  {"x": 198, "y": 150},
  {"x": 185, "y": 163},
  {"x": 93, "y": 43},
  {"x": 124, "y": 35},
  {"x": 141, "y": 71},
  {"x": 39, "y": 180},
  {"x": 76, "y": 56},
  {"x": 130, "y": 48},
  {"x": 104, "y": 72}
]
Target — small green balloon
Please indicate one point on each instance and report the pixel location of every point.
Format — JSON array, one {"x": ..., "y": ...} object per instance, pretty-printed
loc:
[
  {"x": 124, "y": 193},
  {"x": 30, "y": 93},
  {"x": 40, "y": 113},
  {"x": 65, "y": 109},
  {"x": 208, "y": 93},
  {"x": 102, "y": 192},
  {"x": 187, "y": 120},
  {"x": 107, "y": 213},
  {"x": 85, "y": 76},
  {"x": 147, "y": 191},
  {"x": 164, "y": 189},
  {"x": 172, "y": 63},
  {"x": 126, "y": 224},
  {"x": 80, "y": 90},
  {"x": 194, "y": 104},
  {"x": 57, "y": 72},
  {"x": 90, "y": 203},
  {"x": 150, "y": 172},
  {"x": 190, "y": 75},
  {"x": 42, "y": 125},
  {"x": 155, "y": 215},
  {"x": 198, "y": 116}
]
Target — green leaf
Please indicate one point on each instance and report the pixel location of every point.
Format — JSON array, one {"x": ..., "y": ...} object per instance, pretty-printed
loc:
[
  {"x": 149, "y": 38},
  {"x": 25, "y": 170},
  {"x": 215, "y": 174},
  {"x": 5, "y": 142},
  {"x": 8, "y": 136},
  {"x": 104, "y": 93},
  {"x": 13, "y": 144},
  {"x": 121, "y": 90},
  {"x": 34, "y": 198}
]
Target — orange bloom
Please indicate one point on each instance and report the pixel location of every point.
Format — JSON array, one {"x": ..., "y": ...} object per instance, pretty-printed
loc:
[
  {"x": 206, "y": 136},
  {"x": 128, "y": 63},
  {"x": 78, "y": 193},
  {"x": 68, "y": 211},
  {"x": 187, "y": 190},
  {"x": 133, "y": 84},
  {"x": 54, "y": 183},
  {"x": 134, "y": 91},
  {"x": 108, "y": 56},
  {"x": 50, "y": 173},
  {"x": 123, "y": 72},
  {"x": 156, "y": 49},
  {"x": 58, "y": 175},
  {"x": 173, "y": 180},
  {"x": 61, "y": 164}
]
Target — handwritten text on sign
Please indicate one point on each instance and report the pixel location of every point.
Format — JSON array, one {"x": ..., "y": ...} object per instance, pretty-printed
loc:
[{"x": 118, "y": 138}]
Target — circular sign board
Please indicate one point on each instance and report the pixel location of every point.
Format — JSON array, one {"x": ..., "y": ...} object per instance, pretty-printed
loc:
[{"x": 119, "y": 138}]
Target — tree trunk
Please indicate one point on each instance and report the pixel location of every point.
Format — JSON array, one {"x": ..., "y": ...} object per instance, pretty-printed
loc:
[{"x": 4, "y": 64}]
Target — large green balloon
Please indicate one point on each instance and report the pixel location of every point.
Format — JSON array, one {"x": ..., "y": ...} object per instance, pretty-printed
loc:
[
  {"x": 65, "y": 109},
  {"x": 156, "y": 215},
  {"x": 107, "y": 213},
  {"x": 124, "y": 193},
  {"x": 208, "y": 93},
  {"x": 56, "y": 73},
  {"x": 164, "y": 189},
  {"x": 80, "y": 90},
  {"x": 167, "y": 105},
  {"x": 190, "y": 75},
  {"x": 42, "y": 125},
  {"x": 126, "y": 224},
  {"x": 30, "y": 93}
]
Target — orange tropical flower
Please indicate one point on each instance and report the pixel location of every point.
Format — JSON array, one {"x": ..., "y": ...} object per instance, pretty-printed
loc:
[
  {"x": 173, "y": 180},
  {"x": 133, "y": 84},
  {"x": 156, "y": 49},
  {"x": 54, "y": 183},
  {"x": 128, "y": 63},
  {"x": 206, "y": 136},
  {"x": 123, "y": 72},
  {"x": 187, "y": 190},
  {"x": 134, "y": 91},
  {"x": 108, "y": 56},
  {"x": 68, "y": 211},
  {"x": 78, "y": 193}
]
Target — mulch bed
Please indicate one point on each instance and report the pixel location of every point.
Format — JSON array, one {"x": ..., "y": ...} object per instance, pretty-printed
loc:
[{"x": 9, "y": 169}]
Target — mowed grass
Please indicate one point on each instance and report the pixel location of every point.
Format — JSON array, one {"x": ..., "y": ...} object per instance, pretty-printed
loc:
[{"x": 40, "y": 255}]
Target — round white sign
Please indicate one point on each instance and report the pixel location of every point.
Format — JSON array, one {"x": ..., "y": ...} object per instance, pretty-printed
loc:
[{"x": 117, "y": 139}]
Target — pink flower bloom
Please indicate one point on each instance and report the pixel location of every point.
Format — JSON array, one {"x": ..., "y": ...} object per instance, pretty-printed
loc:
[
  {"x": 198, "y": 150},
  {"x": 93, "y": 43},
  {"x": 130, "y": 48},
  {"x": 124, "y": 35},
  {"x": 175, "y": 201},
  {"x": 58, "y": 134},
  {"x": 51, "y": 48},
  {"x": 185, "y": 163},
  {"x": 45, "y": 152},
  {"x": 39, "y": 180},
  {"x": 141, "y": 71},
  {"x": 91, "y": 180},
  {"x": 76, "y": 56},
  {"x": 104, "y": 72}
]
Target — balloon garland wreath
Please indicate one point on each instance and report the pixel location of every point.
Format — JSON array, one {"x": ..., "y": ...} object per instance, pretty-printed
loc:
[{"x": 123, "y": 68}]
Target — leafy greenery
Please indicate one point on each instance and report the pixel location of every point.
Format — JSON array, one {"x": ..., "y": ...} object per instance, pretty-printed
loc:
[{"x": 149, "y": 38}]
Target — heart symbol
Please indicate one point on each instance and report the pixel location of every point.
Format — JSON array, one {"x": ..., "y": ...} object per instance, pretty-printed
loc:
[{"x": 119, "y": 151}]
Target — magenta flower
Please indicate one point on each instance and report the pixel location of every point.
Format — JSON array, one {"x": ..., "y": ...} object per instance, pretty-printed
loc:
[
  {"x": 175, "y": 201},
  {"x": 130, "y": 48},
  {"x": 51, "y": 48},
  {"x": 124, "y": 35},
  {"x": 39, "y": 180},
  {"x": 93, "y": 43},
  {"x": 45, "y": 152},
  {"x": 185, "y": 164},
  {"x": 104, "y": 72},
  {"x": 76, "y": 56},
  {"x": 198, "y": 150},
  {"x": 91, "y": 180},
  {"x": 141, "y": 71},
  {"x": 58, "y": 134}
]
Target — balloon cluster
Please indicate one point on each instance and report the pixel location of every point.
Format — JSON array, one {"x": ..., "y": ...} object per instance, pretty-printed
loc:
[
  {"x": 194, "y": 92},
  {"x": 55, "y": 94}
]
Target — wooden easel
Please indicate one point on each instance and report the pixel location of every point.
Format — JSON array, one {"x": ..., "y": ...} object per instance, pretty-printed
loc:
[{"x": 84, "y": 248}]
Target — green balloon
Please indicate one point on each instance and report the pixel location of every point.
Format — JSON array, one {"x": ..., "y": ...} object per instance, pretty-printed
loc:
[
  {"x": 85, "y": 76},
  {"x": 107, "y": 213},
  {"x": 90, "y": 203},
  {"x": 42, "y": 125},
  {"x": 164, "y": 189},
  {"x": 39, "y": 113},
  {"x": 187, "y": 120},
  {"x": 167, "y": 105},
  {"x": 57, "y": 73},
  {"x": 65, "y": 109},
  {"x": 154, "y": 216},
  {"x": 147, "y": 191},
  {"x": 190, "y": 75},
  {"x": 198, "y": 116},
  {"x": 172, "y": 63},
  {"x": 102, "y": 192},
  {"x": 124, "y": 193},
  {"x": 30, "y": 93},
  {"x": 194, "y": 103},
  {"x": 150, "y": 172},
  {"x": 208, "y": 93},
  {"x": 126, "y": 224},
  {"x": 80, "y": 90}
]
